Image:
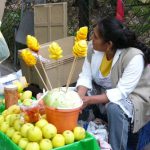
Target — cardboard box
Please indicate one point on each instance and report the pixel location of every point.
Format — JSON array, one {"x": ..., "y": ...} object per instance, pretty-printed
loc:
[
  {"x": 58, "y": 72},
  {"x": 50, "y": 21}
]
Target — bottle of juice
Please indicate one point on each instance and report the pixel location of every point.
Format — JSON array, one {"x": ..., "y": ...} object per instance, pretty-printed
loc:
[{"x": 11, "y": 95}]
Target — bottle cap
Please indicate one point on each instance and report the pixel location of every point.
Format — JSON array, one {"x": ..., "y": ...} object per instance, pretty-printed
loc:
[{"x": 11, "y": 87}]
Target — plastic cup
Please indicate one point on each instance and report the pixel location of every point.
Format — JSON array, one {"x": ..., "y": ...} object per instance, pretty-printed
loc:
[{"x": 30, "y": 113}]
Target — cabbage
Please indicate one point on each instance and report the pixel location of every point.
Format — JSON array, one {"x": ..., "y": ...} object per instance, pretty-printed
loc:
[{"x": 60, "y": 99}]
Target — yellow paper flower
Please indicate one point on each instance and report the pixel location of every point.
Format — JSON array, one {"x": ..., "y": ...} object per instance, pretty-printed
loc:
[
  {"x": 82, "y": 34},
  {"x": 32, "y": 43},
  {"x": 80, "y": 49},
  {"x": 28, "y": 57},
  {"x": 55, "y": 51}
]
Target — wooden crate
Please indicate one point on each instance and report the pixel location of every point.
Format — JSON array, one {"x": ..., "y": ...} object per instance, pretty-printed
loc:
[{"x": 50, "y": 21}]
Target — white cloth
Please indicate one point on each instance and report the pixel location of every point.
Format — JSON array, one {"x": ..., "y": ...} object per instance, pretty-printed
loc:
[{"x": 126, "y": 84}]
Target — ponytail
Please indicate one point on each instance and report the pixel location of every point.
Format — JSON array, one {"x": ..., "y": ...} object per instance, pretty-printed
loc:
[{"x": 111, "y": 29}]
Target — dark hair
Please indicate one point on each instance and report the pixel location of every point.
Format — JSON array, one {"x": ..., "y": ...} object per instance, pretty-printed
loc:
[{"x": 111, "y": 29}]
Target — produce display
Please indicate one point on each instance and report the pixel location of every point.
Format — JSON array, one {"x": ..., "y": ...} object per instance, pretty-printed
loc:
[
  {"x": 38, "y": 136},
  {"x": 25, "y": 125}
]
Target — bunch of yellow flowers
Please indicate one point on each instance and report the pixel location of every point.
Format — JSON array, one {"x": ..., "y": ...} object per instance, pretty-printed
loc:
[
  {"x": 32, "y": 43},
  {"x": 80, "y": 49},
  {"x": 82, "y": 34},
  {"x": 28, "y": 57},
  {"x": 55, "y": 51}
]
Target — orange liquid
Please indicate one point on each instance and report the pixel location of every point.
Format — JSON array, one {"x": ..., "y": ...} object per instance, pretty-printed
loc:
[
  {"x": 31, "y": 114},
  {"x": 11, "y": 97}
]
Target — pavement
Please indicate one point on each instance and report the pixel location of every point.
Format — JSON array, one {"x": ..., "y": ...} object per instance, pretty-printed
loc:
[{"x": 7, "y": 67}]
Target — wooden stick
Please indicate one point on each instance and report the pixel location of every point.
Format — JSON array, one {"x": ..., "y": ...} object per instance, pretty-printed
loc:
[
  {"x": 45, "y": 73},
  {"x": 58, "y": 76},
  {"x": 40, "y": 77},
  {"x": 71, "y": 73}
]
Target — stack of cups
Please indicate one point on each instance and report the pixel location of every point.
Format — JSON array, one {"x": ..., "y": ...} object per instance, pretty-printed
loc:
[{"x": 11, "y": 95}]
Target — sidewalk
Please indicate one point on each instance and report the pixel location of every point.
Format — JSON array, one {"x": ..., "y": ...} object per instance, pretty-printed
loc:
[{"x": 6, "y": 68}]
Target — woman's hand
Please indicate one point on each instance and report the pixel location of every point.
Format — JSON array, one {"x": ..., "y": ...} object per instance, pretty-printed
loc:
[
  {"x": 82, "y": 91},
  {"x": 86, "y": 101},
  {"x": 96, "y": 99}
]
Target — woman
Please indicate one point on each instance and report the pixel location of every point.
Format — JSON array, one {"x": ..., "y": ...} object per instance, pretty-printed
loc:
[{"x": 117, "y": 63}]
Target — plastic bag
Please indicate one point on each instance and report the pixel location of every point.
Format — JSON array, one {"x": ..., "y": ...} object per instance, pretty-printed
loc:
[
  {"x": 99, "y": 131},
  {"x": 4, "y": 51}
]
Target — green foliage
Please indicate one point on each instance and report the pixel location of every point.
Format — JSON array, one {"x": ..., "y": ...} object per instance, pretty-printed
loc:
[{"x": 11, "y": 20}]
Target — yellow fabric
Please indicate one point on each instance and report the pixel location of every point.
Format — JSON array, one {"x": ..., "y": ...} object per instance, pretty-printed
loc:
[{"x": 105, "y": 66}]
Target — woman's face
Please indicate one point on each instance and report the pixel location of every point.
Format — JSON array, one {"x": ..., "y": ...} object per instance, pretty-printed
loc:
[{"x": 98, "y": 43}]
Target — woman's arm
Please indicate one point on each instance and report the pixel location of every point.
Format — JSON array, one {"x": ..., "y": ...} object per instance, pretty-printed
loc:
[
  {"x": 129, "y": 80},
  {"x": 85, "y": 78},
  {"x": 96, "y": 99}
]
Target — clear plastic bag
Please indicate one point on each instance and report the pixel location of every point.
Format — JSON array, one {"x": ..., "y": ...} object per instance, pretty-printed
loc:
[{"x": 4, "y": 50}]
